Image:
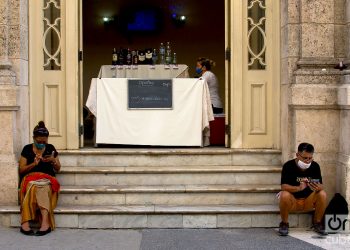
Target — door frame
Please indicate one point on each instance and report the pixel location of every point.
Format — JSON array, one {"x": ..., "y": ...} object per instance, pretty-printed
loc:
[
  {"x": 72, "y": 73},
  {"x": 228, "y": 70}
]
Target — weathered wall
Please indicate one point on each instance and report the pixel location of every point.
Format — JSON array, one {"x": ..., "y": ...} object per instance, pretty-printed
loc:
[
  {"x": 314, "y": 39},
  {"x": 343, "y": 170},
  {"x": 13, "y": 93}
]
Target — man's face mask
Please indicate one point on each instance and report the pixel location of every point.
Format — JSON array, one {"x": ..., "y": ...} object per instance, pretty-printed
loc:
[{"x": 303, "y": 165}]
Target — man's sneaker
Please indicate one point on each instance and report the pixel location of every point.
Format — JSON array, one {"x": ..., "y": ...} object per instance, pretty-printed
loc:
[
  {"x": 319, "y": 228},
  {"x": 283, "y": 230}
]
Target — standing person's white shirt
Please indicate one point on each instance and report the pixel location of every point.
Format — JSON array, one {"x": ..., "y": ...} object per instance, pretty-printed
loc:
[{"x": 213, "y": 88}]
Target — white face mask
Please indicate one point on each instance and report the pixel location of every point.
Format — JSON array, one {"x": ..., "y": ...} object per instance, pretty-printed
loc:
[{"x": 303, "y": 165}]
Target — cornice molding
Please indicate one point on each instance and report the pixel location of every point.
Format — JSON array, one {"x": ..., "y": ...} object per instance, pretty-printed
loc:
[{"x": 9, "y": 108}]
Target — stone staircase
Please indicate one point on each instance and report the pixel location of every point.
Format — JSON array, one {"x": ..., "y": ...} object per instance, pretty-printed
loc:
[{"x": 167, "y": 188}]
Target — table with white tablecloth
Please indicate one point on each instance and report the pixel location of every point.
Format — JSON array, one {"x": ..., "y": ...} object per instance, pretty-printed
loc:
[{"x": 180, "y": 126}]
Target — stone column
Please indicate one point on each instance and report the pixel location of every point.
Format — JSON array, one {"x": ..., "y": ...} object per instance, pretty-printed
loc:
[
  {"x": 13, "y": 93},
  {"x": 315, "y": 43},
  {"x": 343, "y": 170},
  {"x": 290, "y": 55}
]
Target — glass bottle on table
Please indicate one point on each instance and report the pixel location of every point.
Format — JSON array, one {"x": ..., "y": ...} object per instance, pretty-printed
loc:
[
  {"x": 114, "y": 57},
  {"x": 154, "y": 57},
  {"x": 162, "y": 53},
  {"x": 128, "y": 57},
  {"x": 168, "y": 53},
  {"x": 135, "y": 58},
  {"x": 148, "y": 56},
  {"x": 121, "y": 57},
  {"x": 141, "y": 57},
  {"x": 174, "y": 59}
]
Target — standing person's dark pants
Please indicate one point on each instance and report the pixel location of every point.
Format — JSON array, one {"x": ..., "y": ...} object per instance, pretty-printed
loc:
[{"x": 217, "y": 110}]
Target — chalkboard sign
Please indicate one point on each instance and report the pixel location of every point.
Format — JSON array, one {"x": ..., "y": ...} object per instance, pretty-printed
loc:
[{"x": 150, "y": 94}]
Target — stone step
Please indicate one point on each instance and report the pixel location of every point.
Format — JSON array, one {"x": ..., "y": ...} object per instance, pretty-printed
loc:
[
  {"x": 170, "y": 189},
  {"x": 160, "y": 216},
  {"x": 90, "y": 157},
  {"x": 169, "y": 175},
  {"x": 168, "y": 195},
  {"x": 164, "y": 169}
]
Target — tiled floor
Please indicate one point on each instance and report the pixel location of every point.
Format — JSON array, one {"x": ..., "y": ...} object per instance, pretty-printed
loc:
[{"x": 331, "y": 242}]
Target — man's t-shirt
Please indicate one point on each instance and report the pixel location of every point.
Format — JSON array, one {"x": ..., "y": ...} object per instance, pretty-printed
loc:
[{"x": 292, "y": 174}]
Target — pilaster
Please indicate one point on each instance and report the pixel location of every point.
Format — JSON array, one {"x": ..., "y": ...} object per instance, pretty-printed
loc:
[
  {"x": 315, "y": 42},
  {"x": 13, "y": 93},
  {"x": 343, "y": 166}
]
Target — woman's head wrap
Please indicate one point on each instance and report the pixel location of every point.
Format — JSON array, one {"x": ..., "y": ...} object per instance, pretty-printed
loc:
[{"x": 40, "y": 130}]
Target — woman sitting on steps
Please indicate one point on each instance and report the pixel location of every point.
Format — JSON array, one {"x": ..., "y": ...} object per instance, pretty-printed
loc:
[{"x": 39, "y": 188}]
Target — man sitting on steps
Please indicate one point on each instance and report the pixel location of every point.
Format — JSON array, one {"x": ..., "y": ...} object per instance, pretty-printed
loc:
[{"x": 302, "y": 189}]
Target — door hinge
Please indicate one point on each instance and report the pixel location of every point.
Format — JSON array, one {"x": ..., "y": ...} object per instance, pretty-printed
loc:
[
  {"x": 228, "y": 54},
  {"x": 228, "y": 129},
  {"x": 81, "y": 129},
  {"x": 80, "y": 55}
]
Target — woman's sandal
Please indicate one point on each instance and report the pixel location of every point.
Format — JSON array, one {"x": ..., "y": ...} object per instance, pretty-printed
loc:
[
  {"x": 30, "y": 232},
  {"x": 42, "y": 233}
]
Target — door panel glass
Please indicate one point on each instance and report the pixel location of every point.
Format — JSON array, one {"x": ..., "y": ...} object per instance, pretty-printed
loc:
[
  {"x": 256, "y": 35},
  {"x": 52, "y": 34}
]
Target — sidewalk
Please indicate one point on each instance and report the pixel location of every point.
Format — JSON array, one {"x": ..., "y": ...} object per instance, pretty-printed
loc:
[{"x": 170, "y": 239}]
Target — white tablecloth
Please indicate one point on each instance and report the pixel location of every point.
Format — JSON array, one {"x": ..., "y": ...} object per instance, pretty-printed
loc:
[
  {"x": 181, "y": 126},
  {"x": 144, "y": 71}
]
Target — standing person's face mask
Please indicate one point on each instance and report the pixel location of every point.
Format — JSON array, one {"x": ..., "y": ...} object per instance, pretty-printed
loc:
[{"x": 199, "y": 70}]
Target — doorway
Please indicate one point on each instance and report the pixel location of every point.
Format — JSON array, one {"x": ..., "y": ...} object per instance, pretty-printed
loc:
[
  {"x": 249, "y": 71},
  {"x": 193, "y": 28}
]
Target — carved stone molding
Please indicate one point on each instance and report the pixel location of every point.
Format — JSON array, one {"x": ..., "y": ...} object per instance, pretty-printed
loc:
[
  {"x": 324, "y": 62},
  {"x": 5, "y": 64},
  {"x": 9, "y": 108},
  {"x": 4, "y": 61},
  {"x": 7, "y": 76}
]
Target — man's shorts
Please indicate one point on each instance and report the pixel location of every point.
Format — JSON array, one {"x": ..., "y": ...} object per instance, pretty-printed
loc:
[{"x": 303, "y": 204}]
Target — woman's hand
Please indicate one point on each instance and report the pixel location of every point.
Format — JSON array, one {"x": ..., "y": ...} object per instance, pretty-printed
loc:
[
  {"x": 48, "y": 158},
  {"x": 37, "y": 159},
  {"x": 24, "y": 167}
]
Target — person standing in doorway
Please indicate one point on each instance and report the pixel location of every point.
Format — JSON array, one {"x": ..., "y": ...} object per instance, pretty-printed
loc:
[{"x": 203, "y": 69}]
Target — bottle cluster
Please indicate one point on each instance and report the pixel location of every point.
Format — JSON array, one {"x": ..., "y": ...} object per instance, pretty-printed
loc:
[{"x": 150, "y": 56}]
